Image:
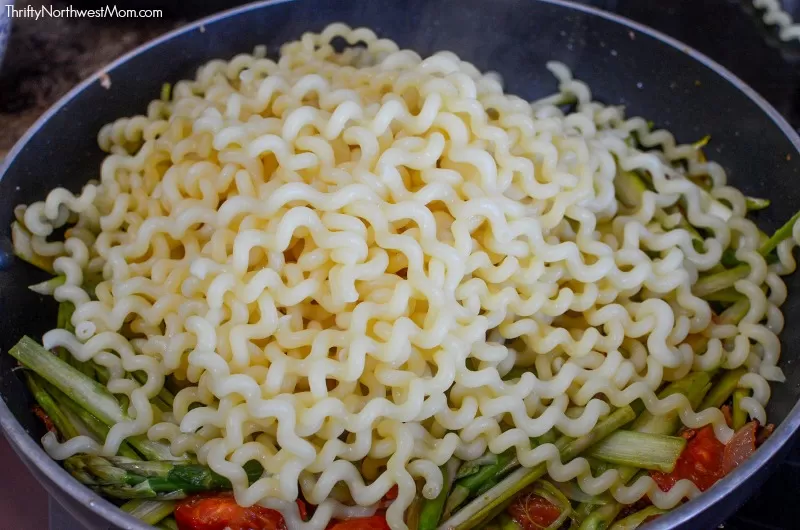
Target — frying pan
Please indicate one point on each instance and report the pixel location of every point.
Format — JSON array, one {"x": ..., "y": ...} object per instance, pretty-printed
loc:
[{"x": 624, "y": 63}]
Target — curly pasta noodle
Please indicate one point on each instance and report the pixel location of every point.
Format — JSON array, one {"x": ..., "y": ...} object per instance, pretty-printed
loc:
[
  {"x": 342, "y": 254},
  {"x": 775, "y": 15}
]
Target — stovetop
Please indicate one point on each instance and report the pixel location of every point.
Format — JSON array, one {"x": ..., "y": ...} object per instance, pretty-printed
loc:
[{"x": 48, "y": 57}]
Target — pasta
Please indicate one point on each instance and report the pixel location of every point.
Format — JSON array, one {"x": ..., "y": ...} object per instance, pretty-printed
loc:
[
  {"x": 775, "y": 15},
  {"x": 343, "y": 257}
]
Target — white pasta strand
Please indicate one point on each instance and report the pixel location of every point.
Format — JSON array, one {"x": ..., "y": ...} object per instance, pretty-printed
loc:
[
  {"x": 343, "y": 254},
  {"x": 775, "y": 15}
]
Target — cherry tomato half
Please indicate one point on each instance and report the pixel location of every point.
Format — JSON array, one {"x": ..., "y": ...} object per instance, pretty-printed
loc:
[
  {"x": 376, "y": 522},
  {"x": 219, "y": 511},
  {"x": 700, "y": 462},
  {"x": 533, "y": 512}
]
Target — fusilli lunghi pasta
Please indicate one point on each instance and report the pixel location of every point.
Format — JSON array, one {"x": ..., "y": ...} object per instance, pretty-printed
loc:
[{"x": 343, "y": 256}]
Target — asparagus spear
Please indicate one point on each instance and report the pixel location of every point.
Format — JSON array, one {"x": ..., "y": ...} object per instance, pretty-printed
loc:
[
  {"x": 553, "y": 495},
  {"x": 95, "y": 427},
  {"x": 505, "y": 522},
  {"x": 722, "y": 280},
  {"x": 629, "y": 188},
  {"x": 163, "y": 400},
  {"x": 580, "y": 514},
  {"x": 736, "y": 312},
  {"x": 63, "y": 321},
  {"x": 168, "y": 524},
  {"x": 45, "y": 400},
  {"x": 166, "y": 92},
  {"x": 85, "y": 392},
  {"x": 602, "y": 517},
  {"x": 728, "y": 295},
  {"x": 782, "y": 233},
  {"x": 468, "y": 486},
  {"x": 431, "y": 511},
  {"x": 754, "y": 203},
  {"x": 739, "y": 414},
  {"x": 723, "y": 389},
  {"x": 641, "y": 450},
  {"x": 124, "y": 478},
  {"x": 473, "y": 466},
  {"x": 48, "y": 286},
  {"x": 707, "y": 285},
  {"x": 637, "y": 519},
  {"x": 694, "y": 386},
  {"x": 65, "y": 311},
  {"x": 496, "y": 499},
  {"x": 150, "y": 512},
  {"x": 21, "y": 240},
  {"x": 414, "y": 511}
]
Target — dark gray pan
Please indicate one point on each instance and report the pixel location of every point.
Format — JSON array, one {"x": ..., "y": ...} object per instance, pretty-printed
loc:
[{"x": 653, "y": 75}]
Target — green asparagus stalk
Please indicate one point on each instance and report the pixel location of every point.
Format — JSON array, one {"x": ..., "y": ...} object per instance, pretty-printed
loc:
[
  {"x": 150, "y": 512},
  {"x": 515, "y": 373},
  {"x": 707, "y": 285},
  {"x": 166, "y": 92},
  {"x": 414, "y": 511},
  {"x": 754, "y": 203},
  {"x": 722, "y": 389},
  {"x": 735, "y": 313},
  {"x": 722, "y": 280},
  {"x": 21, "y": 240},
  {"x": 573, "y": 492},
  {"x": 641, "y": 450},
  {"x": 168, "y": 524},
  {"x": 695, "y": 387},
  {"x": 102, "y": 374},
  {"x": 473, "y": 466},
  {"x": 163, "y": 400},
  {"x": 124, "y": 478},
  {"x": 739, "y": 415},
  {"x": 782, "y": 233},
  {"x": 85, "y": 392},
  {"x": 48, "y": 286},
  {"x": 580, "y": 514},
  {"x": 634, "y": 521},
  {"x": 505, "y": 522},
  {"x": 602, "y": 517},
  {"x": 729, "y": 295},
  {"x": 468, "y": 486},
  {"x": 432, "y": 509},
  {"x": 95, "y": 427},
  {"x": 45, "y": 400},
  {"x": 64, "y": 319},
  {"x": 629, "y": 188},
  {"x": 495, "y": 500},
  {"x": 550, "y": 493}
]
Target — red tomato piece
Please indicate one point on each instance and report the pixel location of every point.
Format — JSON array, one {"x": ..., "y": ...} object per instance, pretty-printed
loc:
[
  {"x": 303, "y": 508},
  {"x": 533, "y": 512},
  {"x": 220, "y": 512},
  {"x": 700, "y": 462},
  {"x": 392, "y": 493},
  {"x": 740, "y": 447},
  {"x": 376, "y": 522},
  {"x": 42, "y": 415}
]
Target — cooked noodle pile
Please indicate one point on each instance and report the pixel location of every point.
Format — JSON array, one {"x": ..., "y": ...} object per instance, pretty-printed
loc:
[{"x": 342, "y": 254}]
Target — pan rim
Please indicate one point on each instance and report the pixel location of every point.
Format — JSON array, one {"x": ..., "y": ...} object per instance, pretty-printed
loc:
[{"x": 34, "y": 455}]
